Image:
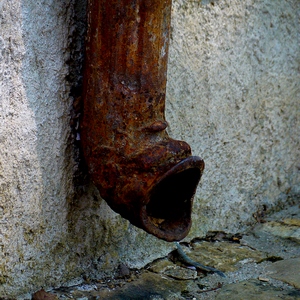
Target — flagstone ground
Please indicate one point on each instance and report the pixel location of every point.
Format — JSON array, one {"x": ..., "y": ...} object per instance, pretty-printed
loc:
[{"x": 263, "y": 263}]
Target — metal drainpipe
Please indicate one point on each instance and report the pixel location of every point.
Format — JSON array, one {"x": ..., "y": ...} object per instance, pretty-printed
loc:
[{"x": 143, "y": 174}]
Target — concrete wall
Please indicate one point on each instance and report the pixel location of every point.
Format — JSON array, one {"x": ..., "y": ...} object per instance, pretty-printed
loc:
[{"x": 233, "y": 94}]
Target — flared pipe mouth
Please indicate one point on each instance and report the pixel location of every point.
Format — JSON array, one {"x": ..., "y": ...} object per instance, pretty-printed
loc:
[{"x": 167, "y": 213}]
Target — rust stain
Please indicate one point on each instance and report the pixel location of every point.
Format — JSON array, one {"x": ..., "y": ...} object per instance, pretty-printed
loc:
[{"x": 142, "y": 173}]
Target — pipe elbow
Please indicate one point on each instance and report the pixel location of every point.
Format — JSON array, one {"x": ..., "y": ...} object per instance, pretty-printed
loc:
[{"x": 153, "y": 189}]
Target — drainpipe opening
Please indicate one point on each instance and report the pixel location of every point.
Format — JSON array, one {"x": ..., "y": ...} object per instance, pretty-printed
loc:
[{"x": 171, "y": 199}]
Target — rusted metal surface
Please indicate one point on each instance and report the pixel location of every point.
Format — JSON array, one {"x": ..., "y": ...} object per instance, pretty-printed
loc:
[{"x": 144, "y": 175}]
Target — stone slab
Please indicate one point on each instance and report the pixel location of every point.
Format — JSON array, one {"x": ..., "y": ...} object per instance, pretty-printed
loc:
[
  {"x": 287, "y": 270},
  {"x": 172, "y": 270},
  {"x": 148, "y": 286},
  {"x": 222, "y": 255},
  {"x": 255, "y": 289},
  {"x": 286, "y": 228}
]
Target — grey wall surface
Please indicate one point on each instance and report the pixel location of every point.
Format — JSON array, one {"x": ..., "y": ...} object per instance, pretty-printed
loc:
[{"x": 233, "y": 93}]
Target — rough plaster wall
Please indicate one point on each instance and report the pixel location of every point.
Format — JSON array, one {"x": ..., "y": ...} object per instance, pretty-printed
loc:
[
  {"x": 51, "y": 231},
  {"x": 35, "y": 173},
  {"x": 233, "y": 94}
]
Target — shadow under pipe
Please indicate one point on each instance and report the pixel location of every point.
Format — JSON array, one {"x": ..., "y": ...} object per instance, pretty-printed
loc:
[{"x": 143, "y": 174}]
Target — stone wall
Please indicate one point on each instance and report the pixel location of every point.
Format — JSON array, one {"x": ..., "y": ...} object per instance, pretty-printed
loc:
[{"x": 233, "y": 95}]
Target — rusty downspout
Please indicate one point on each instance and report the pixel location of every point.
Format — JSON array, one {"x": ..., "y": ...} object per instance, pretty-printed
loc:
[{"x": 143, "y": 174}]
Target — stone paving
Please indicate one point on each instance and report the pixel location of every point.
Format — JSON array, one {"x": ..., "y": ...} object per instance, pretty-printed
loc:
[{"x": 261, "y": 264}]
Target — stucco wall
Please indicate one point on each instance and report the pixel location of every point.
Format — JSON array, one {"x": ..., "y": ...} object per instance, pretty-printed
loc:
[{"x": 233, "y": 95}]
